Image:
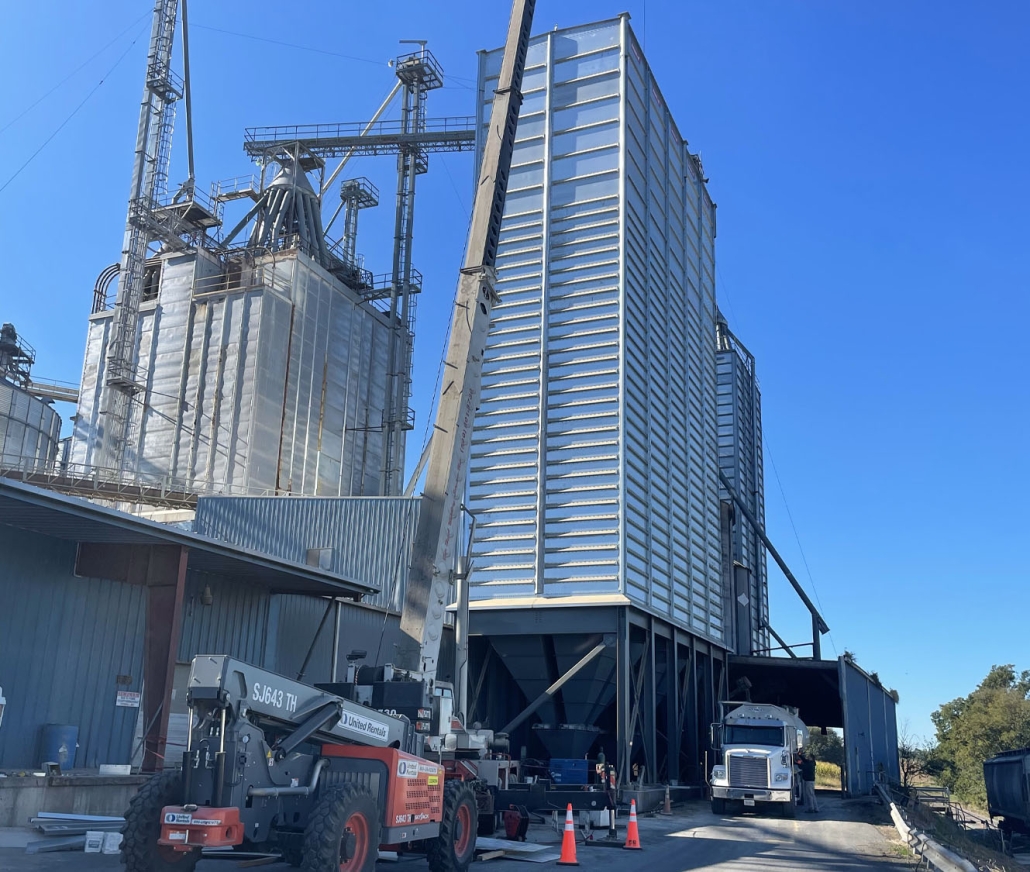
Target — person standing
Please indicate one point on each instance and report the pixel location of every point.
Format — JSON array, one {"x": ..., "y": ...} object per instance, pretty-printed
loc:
[{"x": 808, "y": 779}]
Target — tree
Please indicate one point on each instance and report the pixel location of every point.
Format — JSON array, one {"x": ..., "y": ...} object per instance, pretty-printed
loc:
[
  {"x": 914, "y": 756},
  {"x": 993, "y": 718},
  {"x": 829, "y": 747}
]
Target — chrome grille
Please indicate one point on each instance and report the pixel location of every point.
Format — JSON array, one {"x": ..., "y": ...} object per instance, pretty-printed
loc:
[{"x": 748, "y": 771}]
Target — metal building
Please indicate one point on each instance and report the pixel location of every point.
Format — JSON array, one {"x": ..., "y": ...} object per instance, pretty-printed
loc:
[
  {"x": 262, "y": 372},
  {"x": 265, "y": 359},
  {"x": 105, "y": 611},
  {"x": 740, "y": 462},
  {"x": 368, "y": 539},
  {"x": 594, "y": 473}
]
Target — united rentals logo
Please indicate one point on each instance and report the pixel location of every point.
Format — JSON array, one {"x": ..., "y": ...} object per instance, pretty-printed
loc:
[{"x": 365, "y": 726}]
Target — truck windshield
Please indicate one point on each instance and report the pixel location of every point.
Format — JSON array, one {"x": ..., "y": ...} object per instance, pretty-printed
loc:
[{"x": 739, "y": 734}]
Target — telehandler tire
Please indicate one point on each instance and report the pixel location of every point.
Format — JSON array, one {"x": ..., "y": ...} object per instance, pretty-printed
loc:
[
  {"x": 343, "y": 832},
  {"x": 140, "y": 850},
  {"x": 454, "y": 848}
]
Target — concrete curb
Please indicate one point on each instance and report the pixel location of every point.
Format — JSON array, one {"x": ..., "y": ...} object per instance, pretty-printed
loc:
[{"x": 937, "y": 856}]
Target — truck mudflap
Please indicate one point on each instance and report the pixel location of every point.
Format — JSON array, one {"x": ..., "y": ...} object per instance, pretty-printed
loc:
[
  {"x": 747, "y": 793},
  {"x": 203, "y": 827}
]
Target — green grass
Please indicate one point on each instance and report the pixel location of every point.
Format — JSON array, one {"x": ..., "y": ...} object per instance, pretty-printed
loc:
[{"x": 827, "y": 775}]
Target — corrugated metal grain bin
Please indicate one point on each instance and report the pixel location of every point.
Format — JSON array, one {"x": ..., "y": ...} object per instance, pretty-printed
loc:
[
  {"x": 29, "y": 430},
  {"x": 366, "y": 539},
  {"x": 594, "y": 469}
]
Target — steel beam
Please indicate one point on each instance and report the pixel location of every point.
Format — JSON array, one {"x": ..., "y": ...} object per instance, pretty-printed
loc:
[
  {"x": 461, "y": 138},
  {"x": 555, "y": 687},
  {"x": 161, "y": 569},
  {"x": 818, "y": 623}
]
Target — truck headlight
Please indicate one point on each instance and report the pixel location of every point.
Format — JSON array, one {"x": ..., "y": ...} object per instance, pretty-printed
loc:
[
  {"x": 719, "y": 773},
  {"x": 780, "y": 776}
]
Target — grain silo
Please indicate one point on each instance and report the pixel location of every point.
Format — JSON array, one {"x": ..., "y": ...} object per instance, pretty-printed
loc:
[{"x": 594, "y": 477}]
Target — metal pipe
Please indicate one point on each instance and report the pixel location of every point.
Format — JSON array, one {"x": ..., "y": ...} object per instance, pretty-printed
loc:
[
  {"x": 187, "y": 777},
  {"x": 779, "y": 638},
  {"x": 292, "y": 791},
  {"x": 350, "y": 154},
  {"x": 219, "y": 779},
  {"x": 554, "y": 688},
  {"x": 461, "y": 644},
  {"x": 817, "y": 620},
  {"x": 422, "y": 461},
  {"x": 311, "y": 647},
  {"x": 186, "y": 94},
  {"x": 334, "y": 660}
]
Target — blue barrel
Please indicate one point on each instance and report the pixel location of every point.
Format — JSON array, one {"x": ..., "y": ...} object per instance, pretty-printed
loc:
[{"x": 59, "y": 744}]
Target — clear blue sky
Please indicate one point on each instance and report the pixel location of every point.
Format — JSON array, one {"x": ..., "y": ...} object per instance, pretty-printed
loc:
[{"x": 870, "y": 165}]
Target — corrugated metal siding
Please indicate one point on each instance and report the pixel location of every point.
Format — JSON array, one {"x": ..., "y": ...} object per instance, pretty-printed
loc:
[
  {"x": 370, "y": 537},
  {"x": 236, "y": 622},
  {"x": 29, "y": 429},
  {"x": 594, "y": 466},
  {"x": 361, "y": 629},
  {"x": 63, "y": 643},
  {"x": 252, "y": 390},
  {"x": 298, "y": 618},
  {"x": 870, "y": 731},
  {"x": 740, "y": 459}
]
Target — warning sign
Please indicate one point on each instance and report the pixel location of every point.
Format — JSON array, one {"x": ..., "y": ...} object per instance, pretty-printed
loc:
[{"x": 128, "y": 699}]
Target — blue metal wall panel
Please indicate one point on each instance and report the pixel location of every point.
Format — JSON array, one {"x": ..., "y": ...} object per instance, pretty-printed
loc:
[
  {"x": 236, "y": 622},
  {"x": 63, "y": 643},
  {"x": 370, "y": 538},
  {"x": 870, "y": 731},
  {"x": 298, "y": 619},
  {"x": 361, "y": 629}
]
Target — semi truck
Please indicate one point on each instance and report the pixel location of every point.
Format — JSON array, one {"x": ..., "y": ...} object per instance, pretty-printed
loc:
[
  {"x": 329, "y": 775},
  {"x": 756, "y": 747},
  {"x": 1007, "y": 777}
]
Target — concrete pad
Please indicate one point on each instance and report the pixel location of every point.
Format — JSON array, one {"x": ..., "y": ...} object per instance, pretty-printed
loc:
[{"x": 17, "y": 837}]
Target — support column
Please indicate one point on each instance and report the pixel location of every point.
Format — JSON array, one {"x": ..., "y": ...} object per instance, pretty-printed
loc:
[
  {"x": 648, "y": 725},
  {"x": 161, "y": 569},
  {"x": 622, "y": 692},
  {"x": 166, "y": 585},
  {"x": 672, "y": 708}
]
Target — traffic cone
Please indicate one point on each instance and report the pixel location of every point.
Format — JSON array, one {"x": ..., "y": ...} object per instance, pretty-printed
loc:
[
  {"x": 668, "y": 802},
  {"x": 568, "y": 841},
  {"x": 632, "y": 835}
]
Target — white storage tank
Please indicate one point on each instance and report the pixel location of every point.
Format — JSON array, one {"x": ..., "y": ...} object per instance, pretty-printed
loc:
[{"x": 30, "y": 429}]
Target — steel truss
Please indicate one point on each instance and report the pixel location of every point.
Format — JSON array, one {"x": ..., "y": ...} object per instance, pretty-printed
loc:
[{"x": 667, "y": 682}]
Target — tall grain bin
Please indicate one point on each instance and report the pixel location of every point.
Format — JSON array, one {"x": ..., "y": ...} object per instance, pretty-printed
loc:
[{"x": 594, "y": 478}]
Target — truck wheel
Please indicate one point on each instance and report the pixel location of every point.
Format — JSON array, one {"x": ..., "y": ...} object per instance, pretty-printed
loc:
[
  {"x": 718, "y": 805},
  {"x": 140, "y": 850},
  {"x": 343, "y": 832},
  {"x": 789, "y": 809},
  {"x": 454, "y": 848}
]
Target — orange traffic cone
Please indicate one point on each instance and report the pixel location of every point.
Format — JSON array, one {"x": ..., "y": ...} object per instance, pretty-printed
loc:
[
  {"x": 568, "y": 841},
  {"x": 632, "y": 835},
  {"x": 668, "y": 802}
]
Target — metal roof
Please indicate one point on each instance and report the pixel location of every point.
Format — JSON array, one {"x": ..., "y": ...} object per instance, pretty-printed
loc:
[{"x": 63, "y": 517}]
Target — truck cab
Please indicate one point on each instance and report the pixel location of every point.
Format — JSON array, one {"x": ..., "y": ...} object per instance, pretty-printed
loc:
[{"x": 757, "y": 745}]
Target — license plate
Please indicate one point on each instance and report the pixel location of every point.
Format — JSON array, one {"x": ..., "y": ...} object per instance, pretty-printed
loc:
[{"x": 749, "y": 802}]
